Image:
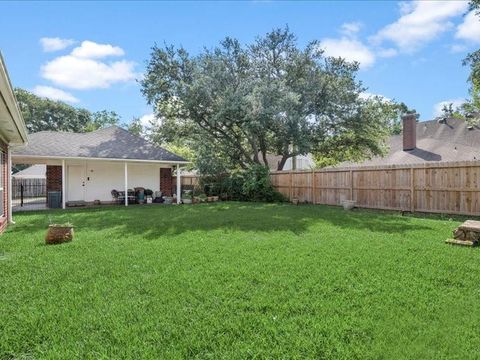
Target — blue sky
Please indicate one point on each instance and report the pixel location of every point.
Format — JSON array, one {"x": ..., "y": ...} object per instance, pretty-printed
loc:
[{"x": 90, "y": 53}]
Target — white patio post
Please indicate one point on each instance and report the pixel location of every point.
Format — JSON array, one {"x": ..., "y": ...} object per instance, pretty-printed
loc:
[
  {"x": 126, "y": 184},
  {"x": 64, "y": 195},
  {"x": 9, "y": 189},
  {"x": 179, "y": 195}
]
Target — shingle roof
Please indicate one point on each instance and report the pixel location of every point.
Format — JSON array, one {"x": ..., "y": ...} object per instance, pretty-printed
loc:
[
  {"x": 451, "y": 140},
  {"x": 108, "y": 143},
  {"x": 37, "y": 171}
]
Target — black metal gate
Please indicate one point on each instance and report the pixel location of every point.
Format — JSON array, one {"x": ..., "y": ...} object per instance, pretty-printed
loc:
[{"x": 29, "y": 194}]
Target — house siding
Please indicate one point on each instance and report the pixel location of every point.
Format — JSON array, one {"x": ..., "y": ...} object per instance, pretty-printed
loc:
[{"x": 101, "y": 177}]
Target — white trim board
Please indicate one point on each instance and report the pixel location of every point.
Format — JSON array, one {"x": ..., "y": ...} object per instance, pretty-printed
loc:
[{"x": 26, "y": 157}]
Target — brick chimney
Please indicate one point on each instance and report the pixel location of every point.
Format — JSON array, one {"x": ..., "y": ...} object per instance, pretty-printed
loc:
[{"x": 409, "y": 132}]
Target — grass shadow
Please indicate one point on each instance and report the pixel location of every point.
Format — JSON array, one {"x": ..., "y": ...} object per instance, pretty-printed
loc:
[{"x": 153, "y": 221}]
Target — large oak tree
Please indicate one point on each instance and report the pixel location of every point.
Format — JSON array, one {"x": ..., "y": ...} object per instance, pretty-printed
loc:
[{"x": 242, "y": 103}]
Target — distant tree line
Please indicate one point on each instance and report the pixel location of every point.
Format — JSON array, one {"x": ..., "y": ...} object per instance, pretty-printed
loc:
[{"x": 41, "y": 114}]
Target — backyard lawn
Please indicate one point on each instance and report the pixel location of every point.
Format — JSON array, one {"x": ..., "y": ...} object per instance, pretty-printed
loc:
[{"x": 237, "y": 280}]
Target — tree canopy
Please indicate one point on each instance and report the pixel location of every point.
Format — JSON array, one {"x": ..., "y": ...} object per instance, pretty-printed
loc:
[
  {"x": 44, "y": 114},
  {"x": 238, "y": 103},
  {"x": 471, "y": 109}
]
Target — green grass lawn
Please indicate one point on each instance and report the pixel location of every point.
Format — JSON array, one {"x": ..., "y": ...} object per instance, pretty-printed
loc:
[{"x": 236, "y": 280}]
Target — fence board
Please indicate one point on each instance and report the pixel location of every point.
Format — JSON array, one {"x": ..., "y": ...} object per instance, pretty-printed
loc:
[{"x": 448, "y": 187}]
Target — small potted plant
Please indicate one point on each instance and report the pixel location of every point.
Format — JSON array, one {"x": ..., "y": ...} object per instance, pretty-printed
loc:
[
  {"x": 59, "y": 233},
  {"x": 202, "y": 198},
  {"x": 348, "y": 204},
  {"x": 187, "y": 197}
]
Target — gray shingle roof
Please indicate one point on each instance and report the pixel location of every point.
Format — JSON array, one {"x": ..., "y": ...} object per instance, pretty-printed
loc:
[
  {"x": 37, "y": 171},
  {"x": 436, "y": 141},
  {"x": 109, "y": 143}
]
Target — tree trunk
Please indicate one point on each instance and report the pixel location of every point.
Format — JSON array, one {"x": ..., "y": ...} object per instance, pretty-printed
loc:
[
  {"x": 265, "y": 160},
  {"x": 282, "y": 162}
]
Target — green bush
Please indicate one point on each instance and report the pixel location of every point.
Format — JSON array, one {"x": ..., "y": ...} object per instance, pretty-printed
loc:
[{"x": 252, "y": 184}]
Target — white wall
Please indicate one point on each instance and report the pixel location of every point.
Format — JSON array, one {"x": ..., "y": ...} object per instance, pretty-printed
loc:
[
  {"x": 101, "y": 177},
  {"x": 144, "y": 175},
  {"x": 304, "y": 162}
]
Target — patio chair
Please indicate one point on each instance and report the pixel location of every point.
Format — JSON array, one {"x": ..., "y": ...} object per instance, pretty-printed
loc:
[
  {"x": 118, "y": 196},
  {"x": 158, "y": 197},
  {"x": 132, "y": 199}
]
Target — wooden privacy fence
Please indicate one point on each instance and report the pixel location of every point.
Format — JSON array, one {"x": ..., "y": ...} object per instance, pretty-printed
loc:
[
  {"x": 28, "y": 187},
  {"x": 446, "y": 187},
  {"x": 189, "y": 180}
]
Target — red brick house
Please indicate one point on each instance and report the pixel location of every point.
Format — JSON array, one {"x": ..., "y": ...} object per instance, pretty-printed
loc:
[{"x": 12, "y": 133}]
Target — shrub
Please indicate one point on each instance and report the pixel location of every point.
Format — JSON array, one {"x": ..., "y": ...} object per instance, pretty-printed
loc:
[{"x": 252, "y": 184}]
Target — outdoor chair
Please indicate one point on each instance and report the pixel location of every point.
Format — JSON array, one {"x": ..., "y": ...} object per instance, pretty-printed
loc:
[{"x": 119, "y": 196}]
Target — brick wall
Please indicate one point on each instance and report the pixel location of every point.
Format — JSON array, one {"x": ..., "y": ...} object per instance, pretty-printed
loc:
[
  {"x": 4, "y": 171},
  {"x": 409, "y": 132},
  {"x": 166, "y": 181},
  {"x": 54, "y": 178}
]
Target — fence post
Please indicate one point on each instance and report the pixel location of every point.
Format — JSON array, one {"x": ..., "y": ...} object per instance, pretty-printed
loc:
[
  {"x": 21, "y": 194},
  {"x": 290, "y": 180},
  {"x": 351, "y": 185},
  {"x": 313, "y": 186},
  {"x": 412, "y": 190}
]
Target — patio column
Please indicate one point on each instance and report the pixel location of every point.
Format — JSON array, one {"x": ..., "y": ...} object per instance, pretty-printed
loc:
[
  {"x": 126, "y": 184},
  {"x": 9, "y": 185},
  {"x": 179, "y": 187},
  {"x": 64, "y": 194}
]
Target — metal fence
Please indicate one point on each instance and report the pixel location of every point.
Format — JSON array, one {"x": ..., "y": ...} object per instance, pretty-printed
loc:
[{"x": 29, "y": 194}]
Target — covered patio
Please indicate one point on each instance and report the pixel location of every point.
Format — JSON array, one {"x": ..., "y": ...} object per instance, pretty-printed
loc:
[{"x": 90, "y": 168}]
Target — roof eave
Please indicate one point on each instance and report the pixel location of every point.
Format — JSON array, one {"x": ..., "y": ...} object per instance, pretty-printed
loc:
[
  {"x": 6, "y": 90},
  {"x": 46, "y": 157}
]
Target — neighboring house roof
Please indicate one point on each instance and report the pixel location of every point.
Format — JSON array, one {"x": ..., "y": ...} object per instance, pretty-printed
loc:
[
  {"x": 303, "y": 162},
  {"x": 449, "y": 140},
  {"x": 108, "y": 143},
  {"x": 37, "y": 171},
  {"x": 12, "y": 125}
]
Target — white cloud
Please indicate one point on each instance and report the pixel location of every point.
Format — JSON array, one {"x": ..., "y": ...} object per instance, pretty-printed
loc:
[
  {"x": 54, "y": 94},
  {"x": 349, "y": 49},
  {"x": 456, "y": 48},
  {"x": 437, "y": 108},
  {"x": 421, "y": 22},
  {"x": 366, "y": 95},
  {"x": 147, "y": 120},
  {"x": 470, "y": 28},
  {"x": 351, "y": 28},
  {"x": 92, "y": 50},
  {"x": 55, "y": 44},
  {"x": 79, "y": 73},
  {"x": 387, "y": 53}
]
